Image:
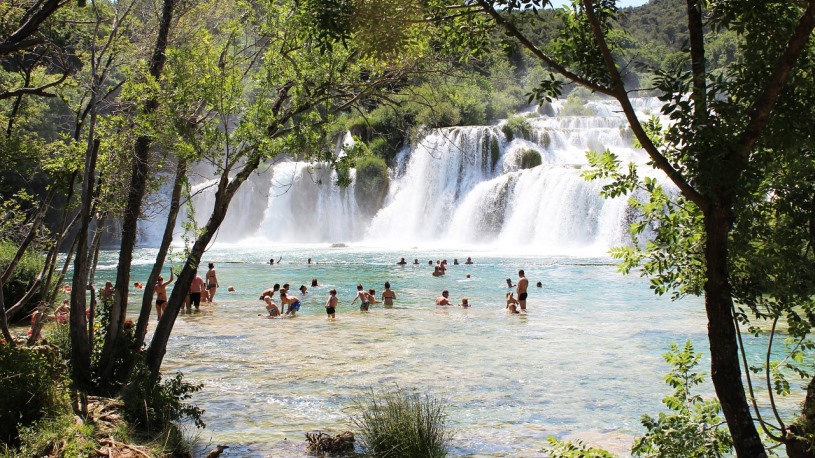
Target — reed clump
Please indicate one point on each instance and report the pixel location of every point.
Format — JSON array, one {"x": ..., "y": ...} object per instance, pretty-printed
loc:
[{"x": 402, "y": 423}]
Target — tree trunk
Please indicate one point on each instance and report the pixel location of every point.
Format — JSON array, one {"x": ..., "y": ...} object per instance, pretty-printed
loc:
[
  {"x": 167, "y": 238},
  {"x": 223, "y": 196},
  {"x": 58, "y": 283},
  {"x": 724, "y": 351},
  {"x": 80, "y": 343},
  {"x": 800, "y": 437},
  {"x": 3, "y": 321},
  {"x": 138, "y": 184}
]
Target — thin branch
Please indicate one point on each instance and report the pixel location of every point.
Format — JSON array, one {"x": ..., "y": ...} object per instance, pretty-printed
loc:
[
  {"x": 753, "y": 401},
  {"x": 618, "y": 92},
  {"x": 38, "y": 91},
  {"x": 783, "y": 69}
]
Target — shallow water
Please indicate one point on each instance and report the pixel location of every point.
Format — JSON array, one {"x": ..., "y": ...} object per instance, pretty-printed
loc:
[{"x": 584, "y": 362}]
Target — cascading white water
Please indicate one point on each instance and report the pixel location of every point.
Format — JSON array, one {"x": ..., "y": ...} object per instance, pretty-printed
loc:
[{"x": 458, "y": 186}]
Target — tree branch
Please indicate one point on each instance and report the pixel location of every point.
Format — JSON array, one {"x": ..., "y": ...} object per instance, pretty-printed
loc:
[
  {"x": 772, "y": 90},
  {"x": 619, "y": 93}
]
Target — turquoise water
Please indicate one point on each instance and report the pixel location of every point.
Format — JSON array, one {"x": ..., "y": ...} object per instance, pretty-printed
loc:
[{"x": 585, "y": 362}]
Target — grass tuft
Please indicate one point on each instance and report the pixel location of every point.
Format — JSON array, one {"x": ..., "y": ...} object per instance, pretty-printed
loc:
[{"x": 402, "y": 423}]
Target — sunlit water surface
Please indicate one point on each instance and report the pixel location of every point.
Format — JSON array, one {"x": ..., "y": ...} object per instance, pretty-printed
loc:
[{"x": 585, "y": 362}]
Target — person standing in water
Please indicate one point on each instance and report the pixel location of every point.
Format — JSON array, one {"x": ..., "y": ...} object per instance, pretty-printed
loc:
[
  {"x": 388, "y": 296},
  {"x": 196, "y": 286},
  {"x": 293, "y": 303},
  {"x": 523, "y": 284},
  {"x": 331, "y": 303},
  {"x": 161, "y": 293},
  {"x": 362, "y": 295},
  {"x": 212, "y": 282}
]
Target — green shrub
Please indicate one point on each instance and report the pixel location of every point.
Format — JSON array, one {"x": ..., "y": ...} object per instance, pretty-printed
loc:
[
  {"x": 59, "y": 335},
  {"x": 371, "y": 183},
  {"x": 60, "y": 435},
  {"x": 31, "y": 382},
  {"x": 694, "y": 429},
  {"x": 23, "y": 276},
  {"x": 401, "y": 423},
  {"x": 517, "y": 126},
  {"x": 575, "y": 106},
  {"x": 152, "y": 407},
  {"x": 530, "y": 159}
]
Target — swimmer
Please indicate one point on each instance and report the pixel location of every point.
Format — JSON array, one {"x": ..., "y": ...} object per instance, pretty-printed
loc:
[
  {"x": 388, "y": 295},
  {"x": 314, "y": 282},
  {"x": 270, "y": 291},
  {"x": 271, "y": 307},
  {"x": 292, "y": 302},
  {"x": 512, "y": 304},
  {"x": 303, "y": 290},
  {"x": 465, "y": 302},
  {"x": 401, "y": 262},
  {"x": 372, "y": 296},
  {"x": 509, "y": 283},
  {"x": 469, "y": 261},
  {"x": 444, "y": 298}
]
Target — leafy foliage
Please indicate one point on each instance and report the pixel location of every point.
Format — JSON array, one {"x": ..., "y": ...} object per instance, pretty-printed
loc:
[
  {"x": 694, "y": 429},
  {"x": 23, "y": 276},
  {"x": 573, "y": 449},
  {"x": 32, "y": 380},
  {"x": 153, "y": 406}
]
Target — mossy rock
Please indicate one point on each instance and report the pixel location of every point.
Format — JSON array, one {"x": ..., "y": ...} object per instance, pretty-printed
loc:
[
  {"x": 530, "y": 158},
  {"x": 517, "y": 127},
  {"x": 490, "y": 148},
  {"x": 371, "y": 183}
]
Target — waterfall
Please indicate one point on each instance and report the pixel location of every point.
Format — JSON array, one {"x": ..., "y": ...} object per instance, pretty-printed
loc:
[{"x": 458, "y": 186}]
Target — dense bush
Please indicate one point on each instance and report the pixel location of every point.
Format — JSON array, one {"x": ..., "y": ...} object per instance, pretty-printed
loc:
[
  {"x": 153, "y": 406},
  {"x": 517, "y": 127},
  {"x": 23, "y": 276},
  {"x": 32, "y": 385},
  {"x": 401, "y": 423}
]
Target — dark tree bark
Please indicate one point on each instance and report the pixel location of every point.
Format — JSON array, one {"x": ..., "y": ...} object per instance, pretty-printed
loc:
[
  {"x": 3, "y": 322},
  {"x": 724, "y": 350},
  {"x": 223, "y": 196},
  {"x": 167, "y": 238},
  {"x": 800, "y": 438},
  {"x": 138, "y": 183},
  {"x": 23, "y": 37},
  {"x": 80, "y": 342}
]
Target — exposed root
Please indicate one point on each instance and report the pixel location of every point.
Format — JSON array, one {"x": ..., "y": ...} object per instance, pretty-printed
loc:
[{"x": 322, "y": 442}]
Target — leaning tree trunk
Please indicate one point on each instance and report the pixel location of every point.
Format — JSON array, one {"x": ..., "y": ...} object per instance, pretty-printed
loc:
[
  {"x": 724, "y": 351},
  {"x": 138, "y": 184},
  {"x": 166, "y": 240},
  {"x": 226, "y": 190}
]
